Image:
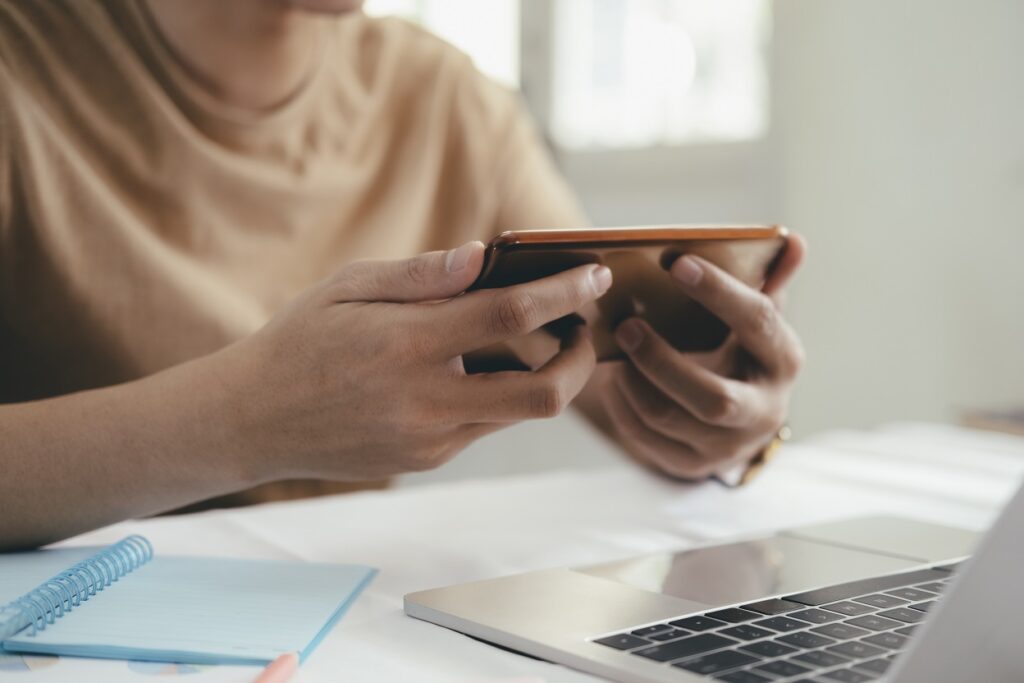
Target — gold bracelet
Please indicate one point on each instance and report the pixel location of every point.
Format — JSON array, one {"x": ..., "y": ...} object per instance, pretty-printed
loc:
[{"x": 758, "y": 462}]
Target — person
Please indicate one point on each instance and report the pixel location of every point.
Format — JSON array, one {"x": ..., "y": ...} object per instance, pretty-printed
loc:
[{"x": 230, "y": 261}]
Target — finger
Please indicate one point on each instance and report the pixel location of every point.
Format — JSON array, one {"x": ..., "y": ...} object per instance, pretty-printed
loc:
[
  {"x": 489, "y": 316},
  {"x": 661, "y": 414},
  {"x": 750, "y": 314},
  {"x": 517, "y": 395},
  {"x": 725, "y": 447},
  {"x": 426, "y": 277},
  {"x": 671, "y": 457},
  {"x": 793, "y": 255},
  {"x": 714, "y": 399}
]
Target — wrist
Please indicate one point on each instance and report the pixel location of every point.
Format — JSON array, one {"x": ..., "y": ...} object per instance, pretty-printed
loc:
[{"x": 200, "y": 400}]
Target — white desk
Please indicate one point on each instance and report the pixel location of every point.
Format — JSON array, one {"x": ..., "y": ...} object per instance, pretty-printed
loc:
[{"x": 439, "y": 534}]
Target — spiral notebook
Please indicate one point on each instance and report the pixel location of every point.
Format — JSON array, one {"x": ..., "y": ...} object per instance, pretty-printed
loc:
[{"x": 121, "y": 602}]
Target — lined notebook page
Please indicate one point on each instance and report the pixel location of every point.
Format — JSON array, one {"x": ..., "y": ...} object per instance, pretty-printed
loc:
[
  {"x": 22, "y": 572},
  {"x": 205, "y": 610}
]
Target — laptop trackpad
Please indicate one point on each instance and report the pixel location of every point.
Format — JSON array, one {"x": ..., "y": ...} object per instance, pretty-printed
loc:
[{"x": 737, "y": 572}]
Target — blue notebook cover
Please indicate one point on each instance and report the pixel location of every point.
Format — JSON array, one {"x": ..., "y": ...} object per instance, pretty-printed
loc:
[{"x": 123, "y": 603}]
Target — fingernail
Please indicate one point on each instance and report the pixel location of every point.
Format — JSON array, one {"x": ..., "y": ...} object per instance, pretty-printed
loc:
[
  {"x": 687, "y": 270},
  {"x": 629, "y": 335},
  {"x": 601, "y": 277},
  {"x": 457, "y": 259}
]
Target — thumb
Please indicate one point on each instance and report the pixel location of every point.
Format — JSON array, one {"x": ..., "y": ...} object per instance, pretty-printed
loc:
[{"x": 427, "y": 277}]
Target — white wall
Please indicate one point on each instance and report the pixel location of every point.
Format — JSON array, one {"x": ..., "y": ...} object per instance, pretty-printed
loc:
[{"x": 899, "y": 133}]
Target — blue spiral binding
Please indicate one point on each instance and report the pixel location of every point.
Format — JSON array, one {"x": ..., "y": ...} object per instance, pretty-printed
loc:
[{"x": 56, "y": 596}]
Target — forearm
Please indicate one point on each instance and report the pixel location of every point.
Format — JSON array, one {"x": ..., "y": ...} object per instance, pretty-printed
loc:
[{"x": 78, "y": 462}]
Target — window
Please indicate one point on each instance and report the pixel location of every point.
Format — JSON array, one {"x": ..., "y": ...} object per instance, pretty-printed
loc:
[
  {"x": 617, "y": 74},
  {"x": 642, "y": 73},
  {"x": 486, "y": 30}
]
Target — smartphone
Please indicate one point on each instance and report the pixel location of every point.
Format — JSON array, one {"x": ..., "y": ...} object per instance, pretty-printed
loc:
[{"x": 639, "y": 258}]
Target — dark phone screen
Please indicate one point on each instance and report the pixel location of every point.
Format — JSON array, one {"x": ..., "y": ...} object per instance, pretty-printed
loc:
[{"x": 642, "y": 284}]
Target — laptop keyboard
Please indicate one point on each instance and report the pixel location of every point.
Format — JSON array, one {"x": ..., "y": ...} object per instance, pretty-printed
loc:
[{"x": 847, "y": 633}]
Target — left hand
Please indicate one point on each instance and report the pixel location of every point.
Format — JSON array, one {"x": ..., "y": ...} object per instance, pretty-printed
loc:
[{"x": 693, "y": 415}]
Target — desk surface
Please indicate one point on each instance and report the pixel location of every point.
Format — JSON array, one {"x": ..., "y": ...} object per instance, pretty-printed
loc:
[{"x": 439, "y": 534}]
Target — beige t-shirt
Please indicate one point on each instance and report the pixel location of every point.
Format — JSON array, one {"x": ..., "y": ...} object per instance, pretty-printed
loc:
[{"x": 144, "y": 223}]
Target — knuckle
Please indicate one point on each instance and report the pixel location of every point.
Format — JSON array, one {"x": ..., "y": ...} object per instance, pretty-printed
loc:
[
  {"x": 417, "y": 270},
  {"x": 514, "y": 314},
  {"x": 344, "y": 282},
  {"x": 655, "y": 360},
  {"x": 423, "y": 460},
  {"x": 427, "y": 452},
  {"x": 547, "y": 400},
  {"x": 766, "y": 317},
  {"x": 721, "y": 406},
  {"x": 579, "y": 291}
]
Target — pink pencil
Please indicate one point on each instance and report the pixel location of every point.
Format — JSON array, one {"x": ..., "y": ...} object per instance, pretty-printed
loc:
[{"x": 279, "y": 670}]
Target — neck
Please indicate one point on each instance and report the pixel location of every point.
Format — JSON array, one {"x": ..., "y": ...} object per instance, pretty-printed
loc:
[{"x": 250, "y": 53}]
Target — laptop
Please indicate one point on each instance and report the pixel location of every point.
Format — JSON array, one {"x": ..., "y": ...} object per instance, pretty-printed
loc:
[{"x": 871, "y": 599}]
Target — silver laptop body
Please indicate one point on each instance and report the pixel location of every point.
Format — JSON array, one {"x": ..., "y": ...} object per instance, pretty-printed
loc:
[{"x": 867, "y": 599}]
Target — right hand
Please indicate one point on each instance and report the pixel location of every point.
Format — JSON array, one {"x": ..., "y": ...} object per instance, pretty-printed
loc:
[{"x": 361, "y": 377}]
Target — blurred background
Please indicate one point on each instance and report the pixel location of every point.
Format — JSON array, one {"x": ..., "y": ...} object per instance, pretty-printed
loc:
[{"x": 890, "y": 134}]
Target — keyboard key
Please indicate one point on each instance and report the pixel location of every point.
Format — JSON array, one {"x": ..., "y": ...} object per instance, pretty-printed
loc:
[
  {"x": 821, "y": 659},
  {"x": 782, "y": 668},
  {"x": 850, "y": 609},
  {"x": 875, "y": 666},
  {"x": 881, "y": 600},
  {"x": 743, "y": 677},
  {"x": 773, "y": 606},
  {"x": 908, "y": 616},
  {"x": 687, "y": 647},
  {"x": 768, "y": 648},
  {"x": 840, "y": 631},
  {"x": 651, "y": 630},
  {"x": 847, "y": 676},
  {"x": 855, "y": 649},
  {"x": 697, "y": 623},
  {"x": 746, "y": 632},
  {"x": 923, "y": 606},
  {"x": 874, "y": 622},
  {"x": 733, "y": 615},
  {"x": 805, "y": 640},
  {"x": 906, "y": 630},
  {"x": 937, "y": 587},
  {"x": 816, "y": 616},
  {"x": 912, "y": 594},
  {"x": 669, "y": 635},
  {"x": 782, "y": 624},
  {"x": 845, "y": 591},
  {"x": 717, "y": 662},
  {"x": 622, "y": 641},
  {"x": 891, "y": 641}
]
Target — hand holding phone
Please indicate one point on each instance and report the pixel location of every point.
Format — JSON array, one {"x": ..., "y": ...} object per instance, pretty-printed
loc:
[{"x": 639, "y": 259}]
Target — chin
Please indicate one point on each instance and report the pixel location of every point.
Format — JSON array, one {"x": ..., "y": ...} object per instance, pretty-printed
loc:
[{"x": 326, "y": 6}]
